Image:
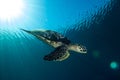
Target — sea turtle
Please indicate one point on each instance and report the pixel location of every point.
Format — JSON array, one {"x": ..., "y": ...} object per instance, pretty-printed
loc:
[{"x": 58, "y": 41}]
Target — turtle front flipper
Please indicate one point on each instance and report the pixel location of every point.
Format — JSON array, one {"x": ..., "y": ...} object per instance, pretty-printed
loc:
[{"x": 59, "y": 54}]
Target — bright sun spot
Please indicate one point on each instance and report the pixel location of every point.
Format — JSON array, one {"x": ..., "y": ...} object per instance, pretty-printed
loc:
[{"x": 10, "y": 9}]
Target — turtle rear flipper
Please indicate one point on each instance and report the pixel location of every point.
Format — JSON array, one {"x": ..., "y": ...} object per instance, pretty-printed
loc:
[
  {"x": 59, "y": 54},
  {"x": 25, "y": 30}
]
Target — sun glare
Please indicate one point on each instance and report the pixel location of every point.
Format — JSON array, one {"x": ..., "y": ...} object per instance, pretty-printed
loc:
[{"x": 10, "y": 9}]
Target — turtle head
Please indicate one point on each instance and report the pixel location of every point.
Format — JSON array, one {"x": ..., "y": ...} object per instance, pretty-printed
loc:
[{"x": 78, "y": 48}]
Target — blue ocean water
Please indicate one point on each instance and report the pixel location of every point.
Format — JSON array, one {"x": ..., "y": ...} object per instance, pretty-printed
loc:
[{"x": 94, "y": 24}]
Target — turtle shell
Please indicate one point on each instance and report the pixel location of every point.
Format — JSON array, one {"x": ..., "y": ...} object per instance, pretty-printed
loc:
[{"x": 53, "y": 36}]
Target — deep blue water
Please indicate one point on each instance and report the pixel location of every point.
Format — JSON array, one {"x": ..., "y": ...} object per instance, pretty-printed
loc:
[{"x": 93, "y": 24}]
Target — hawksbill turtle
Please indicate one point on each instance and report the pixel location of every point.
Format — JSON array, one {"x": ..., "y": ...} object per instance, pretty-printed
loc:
[{"x": 61, "y": 44}]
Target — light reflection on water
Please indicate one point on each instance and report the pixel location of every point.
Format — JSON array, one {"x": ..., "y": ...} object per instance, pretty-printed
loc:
[{"x": 94, "y": 16}]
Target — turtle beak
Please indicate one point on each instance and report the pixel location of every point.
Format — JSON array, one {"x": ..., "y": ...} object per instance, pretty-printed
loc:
[{"x": 26, "y": 31}]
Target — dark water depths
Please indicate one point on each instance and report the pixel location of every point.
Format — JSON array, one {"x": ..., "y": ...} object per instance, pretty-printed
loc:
[{"x": 21, "y": 55}]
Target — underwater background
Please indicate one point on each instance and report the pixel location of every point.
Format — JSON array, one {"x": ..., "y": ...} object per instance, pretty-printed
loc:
[{"x": 93, "y": 23}]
